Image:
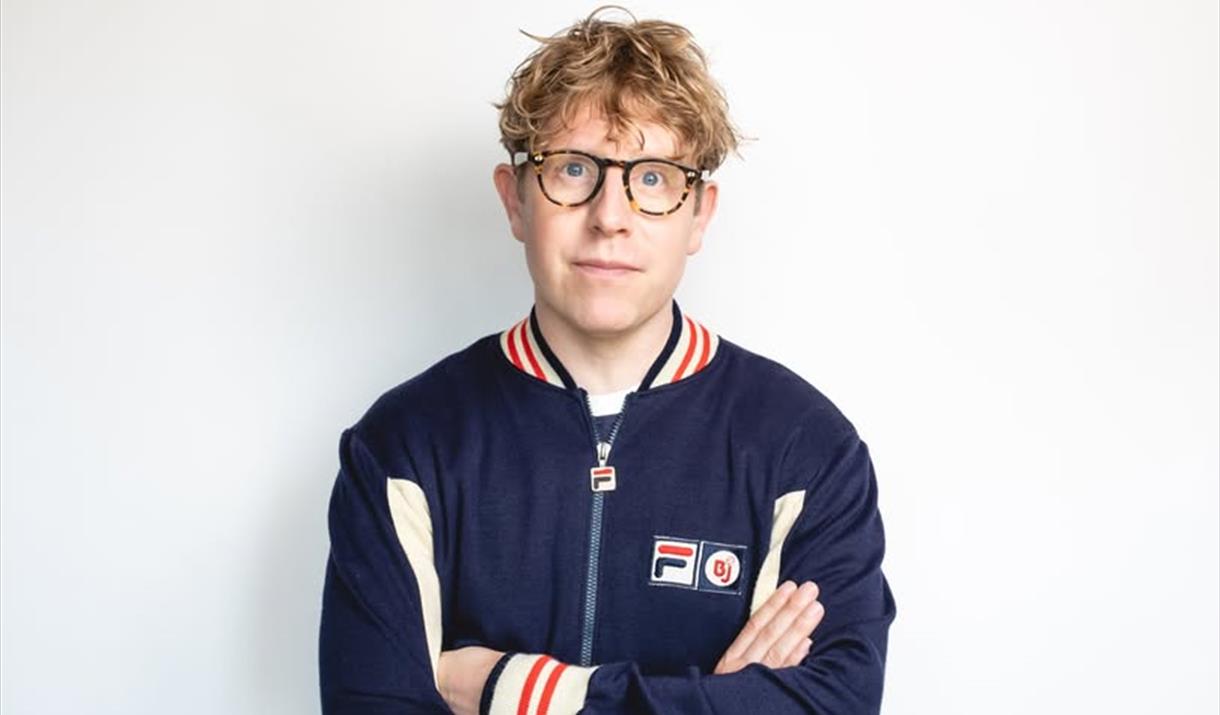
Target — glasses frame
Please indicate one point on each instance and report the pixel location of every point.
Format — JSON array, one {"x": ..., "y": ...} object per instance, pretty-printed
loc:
[{"x": 536, "y": 159}]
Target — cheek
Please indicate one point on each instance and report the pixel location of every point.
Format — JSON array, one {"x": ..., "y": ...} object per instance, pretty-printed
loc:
[
  {"x": 681, "y": 251},
  {"x": 677, "y": 243},
  {"x": 551, "y": 239}
]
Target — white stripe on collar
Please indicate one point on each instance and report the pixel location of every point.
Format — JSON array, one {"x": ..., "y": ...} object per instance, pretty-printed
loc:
[
  {"x": 694, "y": 350},
  {"x": 522, "y": 350}
]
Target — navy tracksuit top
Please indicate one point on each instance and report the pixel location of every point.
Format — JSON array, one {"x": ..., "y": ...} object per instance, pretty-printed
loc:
[{"x": 477, "y": 504}]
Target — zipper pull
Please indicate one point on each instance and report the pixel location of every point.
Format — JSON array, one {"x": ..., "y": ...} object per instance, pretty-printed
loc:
[{"x": 601, "y": 477}]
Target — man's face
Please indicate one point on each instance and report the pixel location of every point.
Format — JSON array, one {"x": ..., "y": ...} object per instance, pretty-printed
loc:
[{"x": 601, "y": 267}]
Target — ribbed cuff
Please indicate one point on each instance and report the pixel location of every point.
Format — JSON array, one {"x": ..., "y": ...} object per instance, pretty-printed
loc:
[
  {"x": 534, "y": 685},
  {"x": 489, "y": 686}
]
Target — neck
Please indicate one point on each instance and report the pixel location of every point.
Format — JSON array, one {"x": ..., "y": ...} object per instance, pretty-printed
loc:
[{"x": 608, "y": 362}]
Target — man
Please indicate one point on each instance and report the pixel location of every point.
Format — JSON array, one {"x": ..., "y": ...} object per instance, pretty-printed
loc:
[{"x": 606, "y": 507}]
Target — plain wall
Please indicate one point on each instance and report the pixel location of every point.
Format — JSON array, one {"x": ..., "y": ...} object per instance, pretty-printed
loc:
[{"x": 987, "y": 231}]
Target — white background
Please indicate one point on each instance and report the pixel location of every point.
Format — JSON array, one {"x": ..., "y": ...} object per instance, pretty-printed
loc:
[{"x": 987, "y": 230}]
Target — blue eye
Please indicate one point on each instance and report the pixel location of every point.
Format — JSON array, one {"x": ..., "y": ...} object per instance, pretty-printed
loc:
[
  {"x": 574, "y": 169},
  {"x": 651, "y": 178}
]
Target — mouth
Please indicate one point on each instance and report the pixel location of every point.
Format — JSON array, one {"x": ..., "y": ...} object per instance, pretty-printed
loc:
[{"x": 605, "y": 268}]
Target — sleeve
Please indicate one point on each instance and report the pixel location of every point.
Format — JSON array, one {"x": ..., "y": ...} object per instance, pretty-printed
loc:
[
  {"x": 379, "y": 638},
  {"x": 829, "y": 532}
]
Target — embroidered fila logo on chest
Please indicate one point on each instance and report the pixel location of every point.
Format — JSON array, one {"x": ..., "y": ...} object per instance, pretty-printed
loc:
[{"x": 698, "y": 565}]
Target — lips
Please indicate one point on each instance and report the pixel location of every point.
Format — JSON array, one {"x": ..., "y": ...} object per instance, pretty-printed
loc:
[{"x": 598, "y": 266}]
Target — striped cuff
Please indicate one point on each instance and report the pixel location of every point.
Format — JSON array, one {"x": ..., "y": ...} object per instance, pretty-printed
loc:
[{"x": 523, "y": 684}]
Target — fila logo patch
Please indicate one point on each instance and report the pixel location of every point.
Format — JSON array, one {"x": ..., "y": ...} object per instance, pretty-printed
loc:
[
  {"x": 673, "y": 561},
  {"x": 697, "y": 565},
  {"x": 601, "y": 479}
]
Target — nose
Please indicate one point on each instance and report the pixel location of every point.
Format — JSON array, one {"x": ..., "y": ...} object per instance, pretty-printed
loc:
[{"x": 610, "y": 211}]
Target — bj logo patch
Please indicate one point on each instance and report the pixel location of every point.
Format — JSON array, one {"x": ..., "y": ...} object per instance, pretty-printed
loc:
[
  {"x": 696, "y": 564},
  {"x": 722, "y": 568}
]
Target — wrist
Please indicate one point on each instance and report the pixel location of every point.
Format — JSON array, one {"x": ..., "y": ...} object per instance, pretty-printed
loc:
[{"x": 489, "y": 685}]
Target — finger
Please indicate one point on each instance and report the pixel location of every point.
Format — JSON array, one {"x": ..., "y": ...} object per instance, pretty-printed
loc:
[
  {"x": 798, "y": 633},
  {"x": 780, "y": 625},
  {"x": 756, "y": 622},
  {"x": 801, "y": 627},
  {"x": 797, "y": 656},
  {"x": 760, "y": 619},
  {"x": 731, "y": 661}
]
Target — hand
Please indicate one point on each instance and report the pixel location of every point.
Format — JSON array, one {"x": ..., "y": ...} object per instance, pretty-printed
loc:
[
  {"x": 460, "y": 676},
  {"x": 777, "y": 635}
]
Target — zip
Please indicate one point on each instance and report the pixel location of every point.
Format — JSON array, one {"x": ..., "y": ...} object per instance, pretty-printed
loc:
[{"x": 602, "y": 452}]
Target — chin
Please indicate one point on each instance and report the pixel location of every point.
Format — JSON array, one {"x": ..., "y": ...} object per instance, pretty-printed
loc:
[
  {"x": 606, "y": 316},
  {"x": 603, "y": 321}
]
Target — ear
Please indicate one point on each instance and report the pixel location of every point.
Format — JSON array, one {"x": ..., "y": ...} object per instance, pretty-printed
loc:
[
  {"x": 505, "y": 179},
  {"x": 707, "y": 209}
]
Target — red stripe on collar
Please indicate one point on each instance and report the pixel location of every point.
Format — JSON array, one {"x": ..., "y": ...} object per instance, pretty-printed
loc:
[
  {"x": 694, "y": 350},
  {"x": 522, "y": 350}
]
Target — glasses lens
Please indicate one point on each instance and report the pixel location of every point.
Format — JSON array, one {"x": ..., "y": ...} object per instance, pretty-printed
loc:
[
  {"x": 657, "y": 186},
  {"x": 568, "y": 178}
]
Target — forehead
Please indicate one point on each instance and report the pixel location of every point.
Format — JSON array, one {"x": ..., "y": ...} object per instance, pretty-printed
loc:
[{"x": 590, "y": 131}]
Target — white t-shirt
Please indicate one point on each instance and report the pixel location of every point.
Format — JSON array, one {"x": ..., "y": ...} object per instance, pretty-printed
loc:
[{"x": 610, "y": 403}]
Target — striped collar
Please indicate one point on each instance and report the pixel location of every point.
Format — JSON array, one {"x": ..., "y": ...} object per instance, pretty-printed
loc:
[{"x": 689, "y": 349}]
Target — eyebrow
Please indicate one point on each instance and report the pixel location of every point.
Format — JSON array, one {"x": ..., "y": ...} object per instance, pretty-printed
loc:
[{"x": 672, "y": 156}]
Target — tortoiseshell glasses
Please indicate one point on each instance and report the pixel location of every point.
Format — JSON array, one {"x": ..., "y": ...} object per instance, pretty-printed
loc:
[{"x": 569, "y": 177}]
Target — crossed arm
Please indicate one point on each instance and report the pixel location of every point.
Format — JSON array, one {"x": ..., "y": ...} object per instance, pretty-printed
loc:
[
  {"x": 380, "y": 653},
  {"x": 777, "y": 636}
]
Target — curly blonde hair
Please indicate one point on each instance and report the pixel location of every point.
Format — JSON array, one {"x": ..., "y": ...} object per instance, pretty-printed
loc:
[{"x": 648, "y": 70}]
